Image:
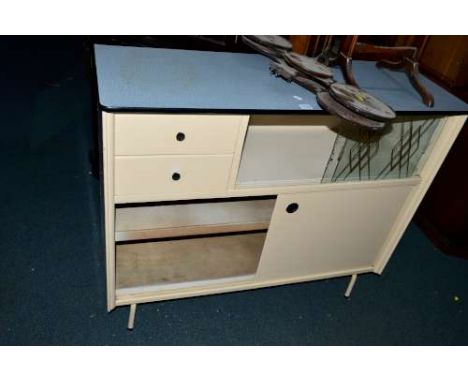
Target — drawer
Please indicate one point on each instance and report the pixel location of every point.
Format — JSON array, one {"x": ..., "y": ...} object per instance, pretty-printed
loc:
[
  {"x": 171, "y": 174},
  {"x": 143, "y": 134}
]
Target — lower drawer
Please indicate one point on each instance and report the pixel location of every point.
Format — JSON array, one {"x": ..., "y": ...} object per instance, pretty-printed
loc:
[{"x": 171, "y": 174}]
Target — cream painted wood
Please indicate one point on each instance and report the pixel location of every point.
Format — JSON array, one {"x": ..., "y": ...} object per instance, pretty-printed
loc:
[
  {"x": 238, "y": 152},
  {"x": 286, "y": 150},
  {"x": 149, "y": 134},
  {"x": 397, "y": 221},
  {"x": 184, "y": 285},
  {"x": 153, "y": 174},
  {"x": 440, "y": 147},
  {"x": 331, "y": 231},
  {"x": 350, "y": 287},
  {"x": 151, "y": 294},
  {"x": 108, "y": 174},
  {"x": 160, "y": 221},
  {"x": 266, "y": 190},
  {"x": 131, "y": 316}
]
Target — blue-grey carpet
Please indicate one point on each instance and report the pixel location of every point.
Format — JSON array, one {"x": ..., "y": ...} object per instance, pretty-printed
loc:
[{"x": 52, "y": 267}]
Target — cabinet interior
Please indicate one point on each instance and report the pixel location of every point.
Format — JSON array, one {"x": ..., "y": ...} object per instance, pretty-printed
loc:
[
  {"x": 186, "y": 241},
  {"x": 187, "y": 260}
]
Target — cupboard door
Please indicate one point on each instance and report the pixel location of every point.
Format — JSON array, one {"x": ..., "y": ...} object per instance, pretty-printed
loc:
[
  {"x": 319, "y": 233},
  {"x": 275, "y": 155}
]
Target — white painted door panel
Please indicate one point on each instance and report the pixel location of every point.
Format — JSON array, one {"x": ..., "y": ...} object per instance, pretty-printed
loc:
[
  {"x": 278, "y": 154},
  {"x": 331, "y": 231}
]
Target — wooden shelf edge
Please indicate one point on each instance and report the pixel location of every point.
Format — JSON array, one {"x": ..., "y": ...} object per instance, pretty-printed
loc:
[{"x": 161, "y": 233}]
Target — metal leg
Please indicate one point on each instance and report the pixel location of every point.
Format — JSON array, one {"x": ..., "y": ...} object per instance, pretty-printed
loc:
[
  {"x": 131, "y": 316},
  {"x": 350, "y": 287}
]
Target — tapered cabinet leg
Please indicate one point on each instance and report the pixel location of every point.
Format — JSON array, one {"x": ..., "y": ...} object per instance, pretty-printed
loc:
[
  {"x": 350, "y": 287},
  {"x": 131, "y": 316}
]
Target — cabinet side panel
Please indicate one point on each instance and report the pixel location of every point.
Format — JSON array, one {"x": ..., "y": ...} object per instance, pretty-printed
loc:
[
  {"x": 109, "y": 217},
  {"x": 435, "y": 157}
]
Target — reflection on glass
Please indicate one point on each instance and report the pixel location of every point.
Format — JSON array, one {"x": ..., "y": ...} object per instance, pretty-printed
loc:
[{"x": 395, "y": 153}]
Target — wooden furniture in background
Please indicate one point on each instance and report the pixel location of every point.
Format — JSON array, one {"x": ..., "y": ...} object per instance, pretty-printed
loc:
[
  {"x": 309, "y": 45},
  {"x": 391, "y": 57},
  {"x": 443, "y": 58},
  {"x": 301, "y": 44},
  {"x": 443, "y": 213}
]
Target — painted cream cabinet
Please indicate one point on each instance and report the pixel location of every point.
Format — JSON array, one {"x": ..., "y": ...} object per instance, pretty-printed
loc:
[
  {"x": 331, "y": 232},
  {"x": 203, "y": 204}
]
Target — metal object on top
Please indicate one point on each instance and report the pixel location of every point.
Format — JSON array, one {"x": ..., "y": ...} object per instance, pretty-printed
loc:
[
  {"x": 308, "y": 65},
  {"x": 274, "y": 55},
  {"x": 361, "y": 102},
  {"x": 275, "y": 42},
  {"x": 346, "y": 101},
  {"x": 283, "y": 70},
  {"x": 327, "y": 102}
]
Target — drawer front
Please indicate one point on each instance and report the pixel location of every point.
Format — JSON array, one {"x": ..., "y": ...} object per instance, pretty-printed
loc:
[
  {"x": 175, "y": 134},
  {"x": 171, "y": 174}
]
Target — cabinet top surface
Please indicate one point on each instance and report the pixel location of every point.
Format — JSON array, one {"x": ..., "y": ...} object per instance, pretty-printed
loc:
[{"x": 139, "y": 79}]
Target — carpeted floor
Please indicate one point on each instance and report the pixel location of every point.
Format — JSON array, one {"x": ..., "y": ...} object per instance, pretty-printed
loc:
[{"x": 52, "y": 267}]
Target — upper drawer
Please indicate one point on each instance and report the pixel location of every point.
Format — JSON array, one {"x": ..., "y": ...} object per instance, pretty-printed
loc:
[{"x": 146, "y": 134}]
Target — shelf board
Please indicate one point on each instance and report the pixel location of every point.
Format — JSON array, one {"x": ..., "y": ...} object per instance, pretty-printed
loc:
[
  {"x": 187, "y": 260},
  {"x": 173, "y": 220}
]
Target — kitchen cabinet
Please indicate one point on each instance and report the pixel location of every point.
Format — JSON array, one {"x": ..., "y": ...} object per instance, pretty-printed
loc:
[{"x": 217, "y": 178}]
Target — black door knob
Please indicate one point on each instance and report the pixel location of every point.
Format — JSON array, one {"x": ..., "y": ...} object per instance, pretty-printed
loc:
[
  {"x": 175, "y": 176},
  {"x": 180, "y": 137},
  {"x": 291, "y": 208}
]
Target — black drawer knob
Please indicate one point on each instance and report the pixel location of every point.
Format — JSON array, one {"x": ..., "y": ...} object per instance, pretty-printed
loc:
[
  {"x": 180, "y": 137},
  {"x": 291, "y": 208},
  {"x": 175, "y": 176}
]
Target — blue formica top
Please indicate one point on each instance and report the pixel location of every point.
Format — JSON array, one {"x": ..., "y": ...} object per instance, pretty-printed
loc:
[{"x": 138, "y": 79}]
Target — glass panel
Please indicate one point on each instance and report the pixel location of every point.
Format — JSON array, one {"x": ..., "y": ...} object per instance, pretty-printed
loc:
[{"x": 392, "y": 154}]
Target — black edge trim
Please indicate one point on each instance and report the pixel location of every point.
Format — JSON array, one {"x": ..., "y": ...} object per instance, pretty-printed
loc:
[
  {"x": 196, "y": 201},
  {"x": 144, "y": 110}
]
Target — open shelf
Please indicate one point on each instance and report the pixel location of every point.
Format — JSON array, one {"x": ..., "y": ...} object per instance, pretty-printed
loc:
[
  {"x": 187, "y": 260},
  {"x": 192, "y": 218}
]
